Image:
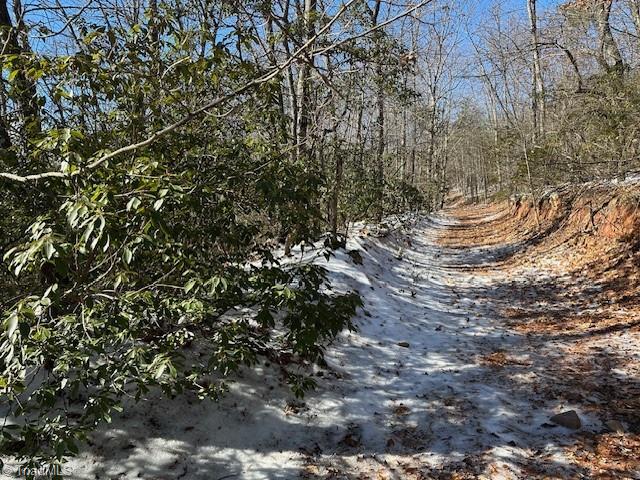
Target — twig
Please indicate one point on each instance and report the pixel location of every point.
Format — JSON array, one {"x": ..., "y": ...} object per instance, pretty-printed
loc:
[
  {"x": 220, "y": 100},
  {"x": 188, "y": 118}
]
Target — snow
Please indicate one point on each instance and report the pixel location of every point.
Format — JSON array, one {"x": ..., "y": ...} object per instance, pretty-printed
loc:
[{"x": 379, "y": 405}]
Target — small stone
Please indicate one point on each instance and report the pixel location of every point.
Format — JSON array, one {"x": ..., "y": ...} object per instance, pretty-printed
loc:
[
  {"x": 404, "y": 344},
  {"x": 615, "y": 426},
  {"x": 569, "y": 419}
]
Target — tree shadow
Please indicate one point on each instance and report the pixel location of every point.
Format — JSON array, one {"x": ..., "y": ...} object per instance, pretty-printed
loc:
[{"x": 411, "y": 394}]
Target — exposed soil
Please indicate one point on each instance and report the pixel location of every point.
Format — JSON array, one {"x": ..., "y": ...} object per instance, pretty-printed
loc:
[{"x": 570, "y": 284}]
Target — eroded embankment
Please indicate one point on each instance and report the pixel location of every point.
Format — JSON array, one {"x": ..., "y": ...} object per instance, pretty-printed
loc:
[{"x": 570, "y": 270}]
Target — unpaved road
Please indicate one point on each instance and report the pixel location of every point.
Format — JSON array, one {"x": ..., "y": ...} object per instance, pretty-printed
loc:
[{"x": 433, "y": 385}]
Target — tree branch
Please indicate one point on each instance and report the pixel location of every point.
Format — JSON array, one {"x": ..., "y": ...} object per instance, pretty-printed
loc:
[{"x": 189, "y": 117}]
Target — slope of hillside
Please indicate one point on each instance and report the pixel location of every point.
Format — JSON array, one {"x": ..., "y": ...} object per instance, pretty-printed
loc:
[
  {"x": 480, "y": 324},
  {"x": 568, "y": 279}
]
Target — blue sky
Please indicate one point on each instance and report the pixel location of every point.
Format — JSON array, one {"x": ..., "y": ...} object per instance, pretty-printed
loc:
[{"x": 520, "y": 4}]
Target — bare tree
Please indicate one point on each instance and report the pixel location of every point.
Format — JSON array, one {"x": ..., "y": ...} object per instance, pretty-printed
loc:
[
  {"x": 302, "y": 91},
  {"x": 537, "y": 94},
  {"x": 380, "y": 142},
  {"x": 599, "y": 12}
]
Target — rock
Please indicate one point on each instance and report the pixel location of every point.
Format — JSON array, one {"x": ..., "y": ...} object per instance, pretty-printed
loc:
[
  {"x": 568, "y": 419},
  {"x": 614, "y": 426},
  {"x": 404, "y": 344}
]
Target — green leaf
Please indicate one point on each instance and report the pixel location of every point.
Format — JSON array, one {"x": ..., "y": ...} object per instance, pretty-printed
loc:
[
  {"x": 12, "y": 324},
  {"x": 9, "y": 252},
  {"x": 160, "y": 370},
  {"x": 127, "y": 255},
  {"x": 72, "y": 214},
  {"x": 133, "y": 204},
  {"x": 106, "y": 244},
  {"x": 87, "y": 233},
  {"x": 49, "y": 250},
  {"x": 189, "y": 285},
  {"x": 265, "y": 318},
  {"x": 98, "y": 235},
  {"x": 73, "y": 448}
]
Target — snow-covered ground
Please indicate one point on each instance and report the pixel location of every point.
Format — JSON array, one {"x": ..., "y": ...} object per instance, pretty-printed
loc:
[{"x": 408, "y": 392}]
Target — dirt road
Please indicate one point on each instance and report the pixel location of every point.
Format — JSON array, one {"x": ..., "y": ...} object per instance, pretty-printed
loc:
[{"x": 463, "y": 355}]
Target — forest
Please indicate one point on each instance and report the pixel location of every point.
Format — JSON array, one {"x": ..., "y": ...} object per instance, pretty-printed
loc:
[{"x": 387, "y": 220}]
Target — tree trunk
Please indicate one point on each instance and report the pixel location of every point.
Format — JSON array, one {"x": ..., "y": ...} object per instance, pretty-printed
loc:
[
  {"x": 610, "y": 56},
  {"x": 26, "y": 98},
  {"x": 335, "y": 196},
  {"x": 359, "y": 150},
  {"x": 634, "y": 7},
  {"x": 281, "y": 124},
  {"x": 302, "y": 89},
  {"x": 5, "y": 139},
  {"x": 379, "y": 159},
  {"x": 291, "y": 84},
  {"x": 380, "y": 143},
  {"x": 496, "y": 138},
  {"x": 537, "y": 95},
  {"x": 431, "y": 147}
]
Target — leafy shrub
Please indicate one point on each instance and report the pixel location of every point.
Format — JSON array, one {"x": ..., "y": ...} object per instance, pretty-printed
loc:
[{"x": 154, "y": 270}]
